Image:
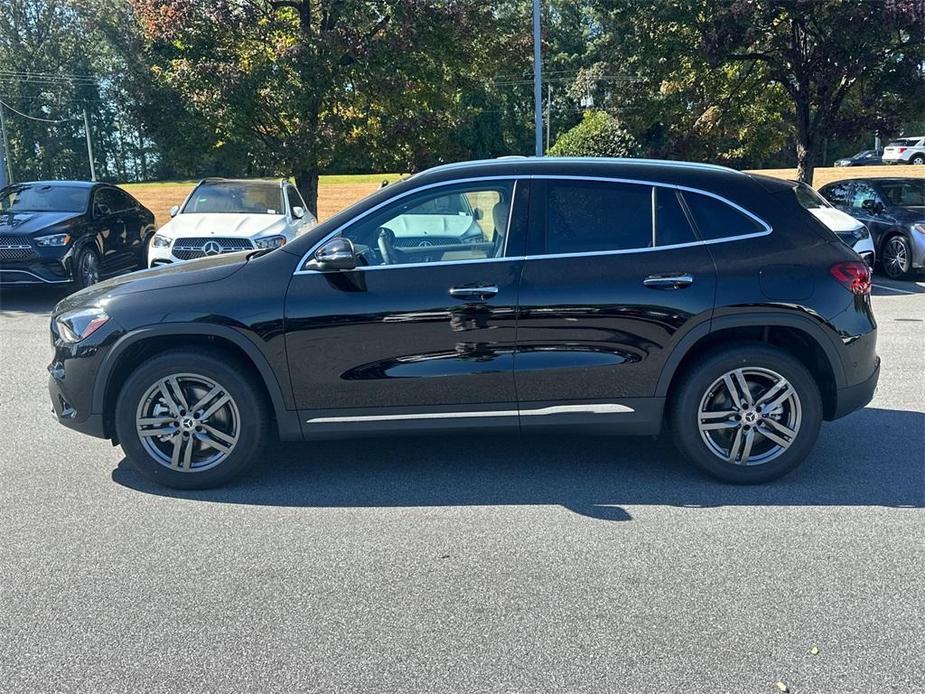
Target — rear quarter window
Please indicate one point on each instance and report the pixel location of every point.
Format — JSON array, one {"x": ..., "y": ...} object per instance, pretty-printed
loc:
[{"x": 716, "y": 219}]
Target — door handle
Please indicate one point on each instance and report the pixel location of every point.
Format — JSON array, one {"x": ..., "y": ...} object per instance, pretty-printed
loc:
[
  {"x": 473, "y": 292},
  {"x": 678, "y": 281}
]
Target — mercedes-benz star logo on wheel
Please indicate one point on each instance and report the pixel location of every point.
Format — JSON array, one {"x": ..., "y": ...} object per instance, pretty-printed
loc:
[{"x": 211, "y": 248}]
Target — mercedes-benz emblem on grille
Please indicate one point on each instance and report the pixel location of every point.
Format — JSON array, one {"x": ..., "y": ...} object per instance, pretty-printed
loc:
[
  {"x": 211, "y": 248},
  {"x": 425, "y": 244}
]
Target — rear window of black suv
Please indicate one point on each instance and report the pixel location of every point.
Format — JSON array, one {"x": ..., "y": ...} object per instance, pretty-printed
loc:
[{"x": 716, "y": 219}]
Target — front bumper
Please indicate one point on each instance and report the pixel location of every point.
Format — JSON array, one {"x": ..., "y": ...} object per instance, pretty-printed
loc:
[{"x": 44, "y": 267}]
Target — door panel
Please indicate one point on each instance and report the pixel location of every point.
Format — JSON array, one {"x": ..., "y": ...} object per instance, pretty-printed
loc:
[
  {"x": 396, "y": 338},
  {"x": 426, "y": 328},
  {"x": 598, "y": 327}
]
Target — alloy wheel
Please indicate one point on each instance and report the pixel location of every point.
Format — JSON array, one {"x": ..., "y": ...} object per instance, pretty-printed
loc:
[
  {"x": 749, "y": 416},
  {"x": 895, "y": 257},
  {"x": 89, "y": 269},
  {"x": 188, "y": 422}
]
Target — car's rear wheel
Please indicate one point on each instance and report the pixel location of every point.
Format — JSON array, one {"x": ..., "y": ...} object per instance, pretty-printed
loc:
[
  {"x": 747, "y": 413},
  {"x": 918, "y": 159},
  {"x": 897, "y": 257},
  {"x": 190, "y": 419}
]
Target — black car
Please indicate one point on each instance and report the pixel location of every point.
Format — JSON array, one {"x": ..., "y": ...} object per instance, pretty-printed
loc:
[
  {"x": 894, "y": 211},
  {"x": 53, "y": 232},
  {"x": 867, "y": 157},
  {"x": 613, "y": 296}
]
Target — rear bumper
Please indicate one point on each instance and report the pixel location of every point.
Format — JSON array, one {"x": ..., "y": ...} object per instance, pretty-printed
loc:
[{"x": 851, "y": 398}]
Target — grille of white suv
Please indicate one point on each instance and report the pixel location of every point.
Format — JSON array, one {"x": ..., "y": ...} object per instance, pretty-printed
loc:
[{"x": 200, "y": 247}]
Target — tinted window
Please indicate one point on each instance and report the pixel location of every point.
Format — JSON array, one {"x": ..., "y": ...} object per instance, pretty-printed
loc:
[
  {"x": 43, "y": 198},
  {"x": 671, "y": 225},
  {"x": 905, "y": 193},
  {"x": 837, "y": 193},
  {"x": 107, "y": 201},
  {"x": 460, "y": 223},
  {"x": 585, "y": 216},
  {"x": 716, "y": 219}
]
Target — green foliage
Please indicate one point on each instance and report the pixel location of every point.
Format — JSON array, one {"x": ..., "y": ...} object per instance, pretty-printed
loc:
[{"x": 598, "y": 135}]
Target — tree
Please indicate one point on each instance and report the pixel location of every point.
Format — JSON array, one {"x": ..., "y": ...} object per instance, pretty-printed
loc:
[
  {"x": 297, "y": 81},
  {"x": 816, "y": 51},
  {"x": 598, "y": 135}
]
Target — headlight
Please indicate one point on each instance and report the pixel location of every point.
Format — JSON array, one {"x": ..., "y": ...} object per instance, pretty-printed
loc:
[
  {"x": 270, "y": 242},
  {"x": 78, "y": 325},
  {"x": 53, "y": 240},
  {"x": 862, "y": 232},
  {"x": 160, "y": 241},
  {"x": 919, "y": 227}
]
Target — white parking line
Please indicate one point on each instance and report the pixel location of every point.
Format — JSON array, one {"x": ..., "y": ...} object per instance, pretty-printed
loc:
[{"x": 892, "y": 289}]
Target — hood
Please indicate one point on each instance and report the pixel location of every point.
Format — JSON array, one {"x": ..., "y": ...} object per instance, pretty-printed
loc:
[
  {"x": 230, "y": 225},
  {"x": 33, "y": 222},
  {"x": 188, "y": 274},
  {"x": 836, "y": 220}
]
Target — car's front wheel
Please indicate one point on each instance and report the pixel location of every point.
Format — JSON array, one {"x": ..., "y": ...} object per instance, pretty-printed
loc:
[
  {"x": 86, "y": 268},
  {"x": 747, "y": 413},
  {"x": 191, "y": 419},
  {"x": 897, "y": 257}
]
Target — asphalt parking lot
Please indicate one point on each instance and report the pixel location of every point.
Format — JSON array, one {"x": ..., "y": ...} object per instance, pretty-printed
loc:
[{"x": 465, "y": 564}]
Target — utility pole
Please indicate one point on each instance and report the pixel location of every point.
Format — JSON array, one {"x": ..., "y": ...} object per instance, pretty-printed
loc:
[
  {"x": 89, "y": 146},
  {"x": 548, "y": 113},
  {"x": 537, "y": 79},
  {"x": 7, "y": 170}
]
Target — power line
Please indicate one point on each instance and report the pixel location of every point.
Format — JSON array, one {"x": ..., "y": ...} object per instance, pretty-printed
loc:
[{"x": 41, "y": 120}]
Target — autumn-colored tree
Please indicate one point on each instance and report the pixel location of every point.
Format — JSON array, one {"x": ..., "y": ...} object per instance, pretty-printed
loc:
[{"x": 301, "y": 79}]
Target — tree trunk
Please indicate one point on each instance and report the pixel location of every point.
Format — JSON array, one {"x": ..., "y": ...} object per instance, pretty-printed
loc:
[
  {"x": 306, "y": 180},
  {"x": 806, "y": 150}
]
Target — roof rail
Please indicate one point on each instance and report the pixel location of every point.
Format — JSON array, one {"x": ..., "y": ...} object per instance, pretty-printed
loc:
[{"x": 613, "y": 160}]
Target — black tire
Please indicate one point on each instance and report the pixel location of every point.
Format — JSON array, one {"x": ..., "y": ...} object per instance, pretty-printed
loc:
[
  {"x": 896, "y": 257},
  {"x": 246, "y": 416},
  {"x": 918, "y": 159},
  {"x": 699, "y": 382},
  {"x": 86, "y": 268}
]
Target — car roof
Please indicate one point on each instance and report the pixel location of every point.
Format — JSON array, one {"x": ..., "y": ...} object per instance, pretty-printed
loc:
[
  {"x": 681, "y": 173},
  {"x": 63, "y": 184},
  {"x": 219, "y": 179}
]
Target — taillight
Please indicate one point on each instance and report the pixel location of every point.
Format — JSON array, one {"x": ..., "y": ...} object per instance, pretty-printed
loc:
[
  {"x": 902, "y": 149},
  {"x": 853, "y": 276}
]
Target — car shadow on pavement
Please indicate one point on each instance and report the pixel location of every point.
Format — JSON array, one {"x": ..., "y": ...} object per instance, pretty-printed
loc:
[
  {"x": 33, "y": 299},
  {"x": 872, "y": 458}
]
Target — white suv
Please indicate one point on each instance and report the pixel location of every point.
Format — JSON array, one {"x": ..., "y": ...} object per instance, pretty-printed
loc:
[
  {"x": 907, "y": 150},
  {"x": 226, "y": 215}
]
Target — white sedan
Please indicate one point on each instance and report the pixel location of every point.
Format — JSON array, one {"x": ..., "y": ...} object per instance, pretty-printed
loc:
[{"x": 226, "y": 215}]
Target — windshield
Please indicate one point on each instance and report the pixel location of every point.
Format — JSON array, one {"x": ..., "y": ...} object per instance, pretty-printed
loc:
[
  {"x": 240, "y": 197},
  {"x": 43, "y": 198},
  {"x": 904, "y": 193},
  {"x": 809, "y": 198}
]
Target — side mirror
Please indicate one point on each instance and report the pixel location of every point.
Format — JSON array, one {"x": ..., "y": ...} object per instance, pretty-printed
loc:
[
  {"x": 336, "y": 254},
  {"x": 101, "y": 210},
  {"x": 298, "y": 212},
  {"x": 477, "y": 213},
  {"x": 174, "y": 211}
]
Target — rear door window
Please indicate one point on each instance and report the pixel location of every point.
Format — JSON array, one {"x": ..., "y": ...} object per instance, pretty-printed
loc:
[
  {"x": 716, "y": 219},
  {"x": 589, "y": 216},
  {"x": 671, "y": 225}
]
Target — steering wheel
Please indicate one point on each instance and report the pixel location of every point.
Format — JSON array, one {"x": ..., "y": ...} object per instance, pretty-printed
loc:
[{"x": 386, "y": 243}]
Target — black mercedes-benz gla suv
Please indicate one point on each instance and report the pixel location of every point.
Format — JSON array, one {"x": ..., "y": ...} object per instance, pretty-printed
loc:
[{"x": 620, "y": 296}]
